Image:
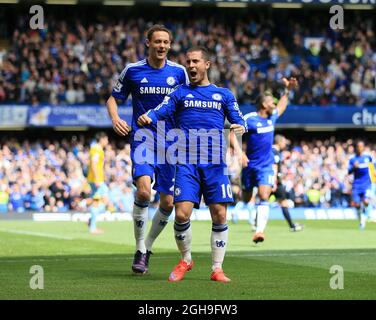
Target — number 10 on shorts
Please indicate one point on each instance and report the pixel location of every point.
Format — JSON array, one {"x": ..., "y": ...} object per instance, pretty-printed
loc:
[{"x": 226, "y": 191}]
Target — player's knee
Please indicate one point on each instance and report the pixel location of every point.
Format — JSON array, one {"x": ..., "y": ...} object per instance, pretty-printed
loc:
[
  {"x": 181, "y": 217},
  {"x": 264, "y": 196},
  {"x": 219, "y": 218},
  {"x": 143, "y": 195},
  {"x": 167, "y": 205}
]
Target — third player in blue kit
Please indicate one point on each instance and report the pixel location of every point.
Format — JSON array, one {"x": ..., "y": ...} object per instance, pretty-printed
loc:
[
  {"x": 362, "y": 167},
  {"x": 259, "y": 158},
  {"x": 200, "y": 106}
]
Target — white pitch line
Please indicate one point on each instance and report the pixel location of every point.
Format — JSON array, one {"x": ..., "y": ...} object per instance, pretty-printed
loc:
[
  {"x": 239, "y": 255},
  {"x": 246, "y": 255},
  {"x": 37, "y": 234}
]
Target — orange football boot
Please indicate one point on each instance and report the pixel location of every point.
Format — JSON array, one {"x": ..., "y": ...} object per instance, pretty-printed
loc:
[
  {"x": 179, "y": 271},
  {"x": 219, "y": 275}
]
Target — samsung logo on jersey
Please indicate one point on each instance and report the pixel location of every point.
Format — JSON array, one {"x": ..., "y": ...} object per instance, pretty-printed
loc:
[
  {"x": 363, "y": 165},
  {"x": 202, "y": 104},
  {"x": 265, "y": 129},
  {"x": 155, "y": 90}
]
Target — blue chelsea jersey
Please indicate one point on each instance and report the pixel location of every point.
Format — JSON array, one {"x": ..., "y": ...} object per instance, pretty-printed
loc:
[
  {"x": 200, "y": 108},
  {"x": 148, "y": 87},
  {"x": 260, "y": 139},
  {"x": 362, "y": 172}
]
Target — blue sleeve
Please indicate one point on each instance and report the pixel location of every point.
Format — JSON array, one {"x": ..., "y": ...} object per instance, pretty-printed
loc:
[
  {"x": 183, "y": 77},
  {"x": 232, "y": 111},
  {"x": 166, "y": 109},
  {"x": 122, "y": 86}
]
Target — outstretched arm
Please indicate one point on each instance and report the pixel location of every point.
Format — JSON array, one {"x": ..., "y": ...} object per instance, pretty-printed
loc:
[
  {"x": 164, "y": 110},
  {"x": 238, "y": 150},
  {"x": 290, "y": 84},
  {"x": 235, "y": 116}
]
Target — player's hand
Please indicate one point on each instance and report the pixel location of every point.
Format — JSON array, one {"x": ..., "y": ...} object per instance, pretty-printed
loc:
[
  {"x": 238, "y": 128},
  {"x": 290, "y": 84},
  {"x": 120, "y": 126},
  {"x": 245, "y": 160},
  {"x": 144, "y": 120}
]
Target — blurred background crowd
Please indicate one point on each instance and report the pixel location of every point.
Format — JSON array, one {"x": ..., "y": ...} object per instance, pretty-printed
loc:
[
  {"x": 51, "y": 175},
  {"x": 77, "y": 57},
  {"x": 81, "y": 51}
]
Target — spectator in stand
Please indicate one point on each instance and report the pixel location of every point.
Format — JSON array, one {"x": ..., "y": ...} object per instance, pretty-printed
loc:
[
  {"x": 17, "y": 199},
  {"x": 4, "y": 198}
]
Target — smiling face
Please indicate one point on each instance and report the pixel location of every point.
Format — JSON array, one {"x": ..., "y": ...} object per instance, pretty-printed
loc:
[
  {"x": 159, "y": 44},
  {"x": 197, "y": 67}
]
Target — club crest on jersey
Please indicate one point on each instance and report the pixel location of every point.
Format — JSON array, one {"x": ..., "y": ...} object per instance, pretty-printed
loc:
[
  {"x": 217, "y": 97},
  {"x": 170, "y": 81}
]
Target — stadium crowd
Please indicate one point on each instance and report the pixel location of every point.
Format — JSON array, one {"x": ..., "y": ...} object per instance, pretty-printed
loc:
[
  {"x": 71, "y": 62},
  {"x": 50, "y": 175}
]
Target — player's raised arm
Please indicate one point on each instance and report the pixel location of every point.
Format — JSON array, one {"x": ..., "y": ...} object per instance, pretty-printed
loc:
[
  {"x": 164, "y": 110},
  {"x": 290, "y": 84}
]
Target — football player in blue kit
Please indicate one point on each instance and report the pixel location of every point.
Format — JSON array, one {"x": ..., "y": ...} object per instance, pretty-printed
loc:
[
  {"x": 148, "y": 81},
  {"x": 259, "y": 157},
  {"x": 362, "y": 167},
  {"x": 200, "y": 110}
]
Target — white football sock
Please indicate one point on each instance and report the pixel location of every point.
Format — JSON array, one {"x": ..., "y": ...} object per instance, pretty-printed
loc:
[
  {"x": 218, "y": 239},
  {"x": 239, "y": 206},
  {"x": 252, "y": 213},
  {"x": 183, "y": 237},
  {"x": 140, "y": 218},
  {"x": 262, "y": 216},
  {"x": 159, "y": 222}
]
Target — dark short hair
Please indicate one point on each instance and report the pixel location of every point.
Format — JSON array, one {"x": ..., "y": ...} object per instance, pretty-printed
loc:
[
  {"x": 156, "y": 28},
  {"x": 261, "y": 98},
  {"x": 204, "y": 51},
  {"x": 100, "y": 135}
]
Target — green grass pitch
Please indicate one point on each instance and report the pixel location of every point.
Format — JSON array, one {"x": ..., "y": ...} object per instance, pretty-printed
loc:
[{"x": 287, "y": 265}]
